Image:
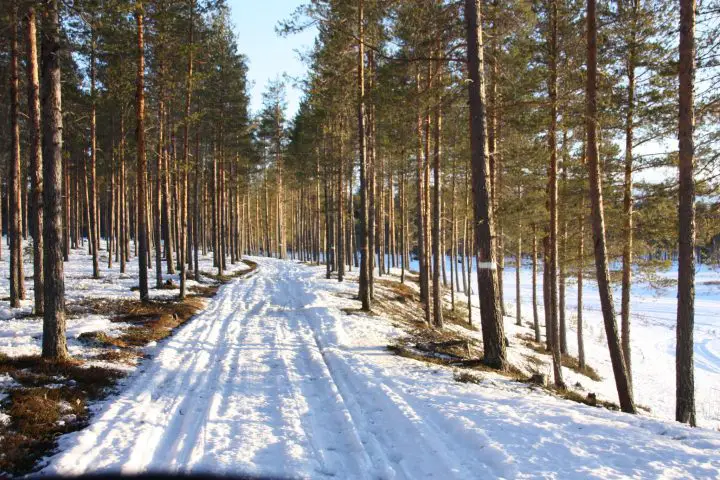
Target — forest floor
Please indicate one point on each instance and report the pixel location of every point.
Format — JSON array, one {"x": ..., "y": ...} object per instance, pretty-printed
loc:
[{"x": 282, "y": 376}]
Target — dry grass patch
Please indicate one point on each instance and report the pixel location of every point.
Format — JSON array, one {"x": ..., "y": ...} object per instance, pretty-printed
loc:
[
  {"x": 467, "y": 377},
  {"x": 567, "y": 361},
  {"x": 33, "y": 371},
  {"x": 50, "y": 400},
  {"x": 204, "y": 291},
  {"x": 588, "y": 399},
  {"x": 401, "y": 291},
  {"x": 458, "y": 316},
  {"x": 126, "y": 356},
  {"x": 39, "y": 415}
]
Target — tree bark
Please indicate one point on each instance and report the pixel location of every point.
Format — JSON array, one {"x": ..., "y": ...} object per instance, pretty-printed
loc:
[
  {"x": 184, "y": 218},
  {"x": 490, "y": 310},
  {"x": 685, "y": 379},
  {"x": 93, "y": 206},
  {"x": 536, "y": 318},
  {"x": 54, "y": 342},
  {"x": 17, "y": 287},
  {"x": 598, "y": 221},
  {"x": 627, "y": 257},
  {"x": 581, "y": 263},
  {"x": 141, "y": 198},
  {"x": 437, "y": 216},
  {"x": 364, "y": 291},
  {"x": 36, "y": 163},
  {"x": 552, "y": 273}
]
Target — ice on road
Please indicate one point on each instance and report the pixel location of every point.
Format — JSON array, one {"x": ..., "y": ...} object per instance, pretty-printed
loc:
[{"x": 274, "y": 379}]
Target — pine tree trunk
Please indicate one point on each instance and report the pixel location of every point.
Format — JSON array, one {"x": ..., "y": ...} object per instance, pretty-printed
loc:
[
  {"x": 581, "y": 263},
  {"x": 184, "y": 217},
  {"x": 627, "y": 257},
  {"x": 685, "y": 380},
  {"x": 421, "y": 229},
  {"x": 437, "y": 216},
  {"x": 196, "y": 210},
  {"x": 93, "y": 207},
  {"x": 54, "y": 342},
  {"x": 341, "y": 209},
  {"x": 552, "y": 273},
  {"x": 364, "y": 290},
  {"x": 598, "y": 220},
  {"x": 123, "y": 202},
  {"x": 518, "y": 266},
  {"x": 403, "y": 233},
  {"x": 17, "y": 280},
  {"x": 490, "y": 309},
  {"x": 453, "y": 240},
  {"x": 141, "y": 227},
  {"x": 536, "y": 317},
  {"x": 36, "y": 163},
  {"x": 158, "y": 180}
]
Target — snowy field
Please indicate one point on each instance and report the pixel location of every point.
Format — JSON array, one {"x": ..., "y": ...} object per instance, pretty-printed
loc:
[
  {"x": 652, "y": 333},
  {"x": 653, "y": 320},
  {"x": 274, "y": 379}
]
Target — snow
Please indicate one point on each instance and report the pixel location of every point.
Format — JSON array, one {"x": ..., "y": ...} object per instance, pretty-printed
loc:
[
  {"x": 653, "y": 312},
  {"x": 653, "y": 319},
  {"x": 21, "y": 333},
  {"x": 274, "y": 379}
]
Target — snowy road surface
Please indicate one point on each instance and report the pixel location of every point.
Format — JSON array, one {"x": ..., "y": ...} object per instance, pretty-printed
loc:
[{"x": 273, "y": 379}]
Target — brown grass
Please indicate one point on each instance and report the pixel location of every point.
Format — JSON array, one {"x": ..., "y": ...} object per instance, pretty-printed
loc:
[
  {"x": 567, "y": 361},
  {"x": 205, "y": 291},
  {"x": 466, "y": 377},
  {"x": 48, "y": 392},
  {"x": 588, "y": 399},
  {"x": 458, "y": 317},
  {"x": 126, "y": 356}
]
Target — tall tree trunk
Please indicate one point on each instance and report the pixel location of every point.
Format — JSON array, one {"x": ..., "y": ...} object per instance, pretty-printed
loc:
[
  {"x": 54, "y": 342},
  {"x": 158, "y": 180},
  {"x": 17, "y": 280},
  {"x": 403, "y": 234},
  {"x": 364, "y": 290},
  {"x": 122, "y": 198},
  {"x": 490, "y": 310},
  {"x": 341, "y": 208},
  {"x": 141, "y": 198},
  {"x": 184, "y": 218},
  {"x": 36, "y": 163},
  {"x": 627, "y": 257},
  {"x": 421, "y": 229},
  {"x": 518, "y": 266},
  {"x": 437, "y": 216},
  {"x": 552, "y": 273},
  {"x": 196, "y": 210},
  {"x": 581, "y": 264},
  {"x": 93, "y": 206},
  {"x": 536, "y": 318},
  {"x": 685, "y": 379},
  {"x": 598, "y": 221}
]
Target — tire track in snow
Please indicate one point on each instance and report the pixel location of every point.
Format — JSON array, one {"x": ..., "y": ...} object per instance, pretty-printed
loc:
[{"x": 257, "y": 384}]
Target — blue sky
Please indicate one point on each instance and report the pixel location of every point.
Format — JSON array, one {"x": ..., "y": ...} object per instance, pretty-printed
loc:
[{"x": 269, "y": 55}]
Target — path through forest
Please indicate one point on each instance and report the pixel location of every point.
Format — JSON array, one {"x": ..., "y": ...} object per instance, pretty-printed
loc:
[{"x": 274, "y": 379}]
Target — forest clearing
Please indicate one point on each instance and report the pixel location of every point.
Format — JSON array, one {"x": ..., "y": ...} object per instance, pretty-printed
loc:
[{"x": 440, "y": 238}]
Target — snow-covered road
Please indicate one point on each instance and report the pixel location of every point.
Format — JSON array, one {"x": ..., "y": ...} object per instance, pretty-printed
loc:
[{"x": 273, "y": 379}]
